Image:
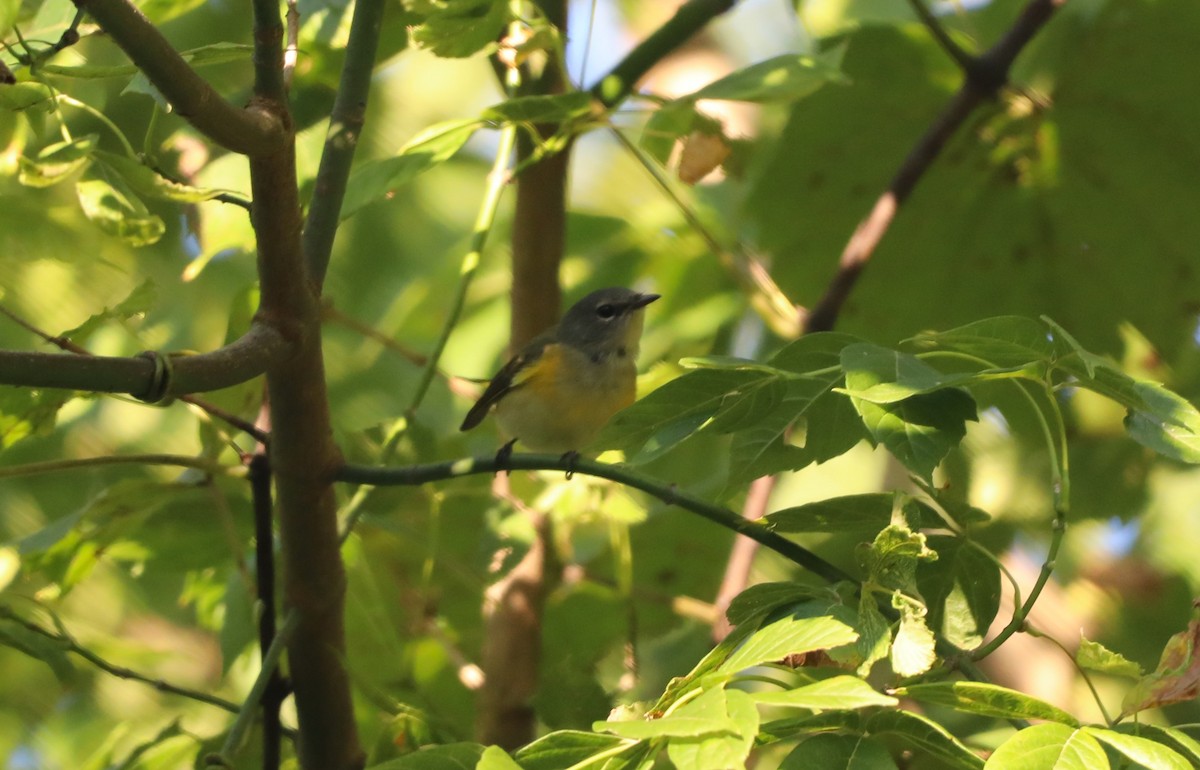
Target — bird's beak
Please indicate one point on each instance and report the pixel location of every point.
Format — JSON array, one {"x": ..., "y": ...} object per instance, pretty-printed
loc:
[{"x": 642, "y": 300}]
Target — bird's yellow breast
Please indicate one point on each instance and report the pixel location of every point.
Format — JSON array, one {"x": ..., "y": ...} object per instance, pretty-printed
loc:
[{"x": 563, "y": 399}]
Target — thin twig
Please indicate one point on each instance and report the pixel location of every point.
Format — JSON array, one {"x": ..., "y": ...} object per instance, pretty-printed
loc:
[
  {"x": 291, "y": 48},
  {"x": 985, "y": 76},
  {"x": 69, "y": 644},
  {"x": 421, "y": 474},
  {"x": 741, "y": 555},
  {"x": 211, "y": 467},
  {"x": 952, "y": 49},
  {"x": 779, "y": 312}
]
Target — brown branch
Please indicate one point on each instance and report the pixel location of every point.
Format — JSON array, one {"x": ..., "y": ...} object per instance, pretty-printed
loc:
[
  {"x": 140, "y": 376},
  {"x": 248, "y": 131},
  {"x": 64, "y": 343},
  {"x": 986, "y": 74}
]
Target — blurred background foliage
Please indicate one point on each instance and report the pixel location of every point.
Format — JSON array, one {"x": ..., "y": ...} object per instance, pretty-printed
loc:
[{"x": 1072, "y": 196}]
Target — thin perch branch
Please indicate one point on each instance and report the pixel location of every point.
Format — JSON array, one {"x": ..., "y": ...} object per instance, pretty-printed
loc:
[{"x": 413, "y": 475}]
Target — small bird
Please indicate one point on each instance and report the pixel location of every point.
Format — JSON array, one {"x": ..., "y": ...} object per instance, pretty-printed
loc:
[{"x": 561, "y": 389}]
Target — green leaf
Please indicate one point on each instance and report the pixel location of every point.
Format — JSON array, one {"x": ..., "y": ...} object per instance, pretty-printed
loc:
[
  {"x": 563, "y": 748},
  {"x": 26, "y": 412},
  {"x": 1170, "y": 737},
  {"x": 913, "y": 647},
  {"x": 922, "y": 735},
  {"x": 987, "y": 700},
  {"x": 1144, "y": 752},
  {"x": 919, "y": 431},
  {"x": 782, "y": 78},
  {"x": 720, "y": 751},
  {"x": 137, "y": 303},
  {"x": 839, "y": 752},
  {"x": 557, "y": 108},
  {"x": 759, "y": 599},
  {"x": 496, "y": 758},
  {"x": 1093, "y": 656},
  {"x": 1176, "y": 678},
  {"x": 22, "y": 96},
  {"x": 49, "y": 651},
  {"x": 1167, "y": 423},
  {"x": 459, "y": 28},
  {"x": 1004, "y": 341},
  {"x": 1049, "y": 746},
  {"x": 839, "y": 692},
  {"x": 665, "y": 126},
  {"x": 706, "y": 714},
  {"x": 118, "y": 213},
  {"x": 57, "y": 161},
  {"x": 375, "y": 179},
  {"x": 677, "y": 410},
  {"x": 962, "y": 590},
  {"x": 861, "y": 515},
  {"x": 805, "y": 629},
  {"x": 9, "y": 10},
  {"x": 449, "y": 756},
  {"x": 910, "y": 408},
  {"x": 147, "y": 182},
  {"x": 891, "y": 558}
]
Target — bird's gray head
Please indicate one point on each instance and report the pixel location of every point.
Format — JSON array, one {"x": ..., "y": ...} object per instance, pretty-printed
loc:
[{"x": 606, "y": 320}]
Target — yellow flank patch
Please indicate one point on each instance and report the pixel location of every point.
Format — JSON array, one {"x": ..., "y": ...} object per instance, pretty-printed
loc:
[{"x": 560, "y": 401}]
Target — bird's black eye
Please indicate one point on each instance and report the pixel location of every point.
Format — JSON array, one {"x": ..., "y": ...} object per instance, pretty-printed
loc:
[{"x": 606, "y": 311}]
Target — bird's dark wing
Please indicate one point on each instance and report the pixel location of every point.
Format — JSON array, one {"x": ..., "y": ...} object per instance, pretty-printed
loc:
[{"x": 504, "y": 381}]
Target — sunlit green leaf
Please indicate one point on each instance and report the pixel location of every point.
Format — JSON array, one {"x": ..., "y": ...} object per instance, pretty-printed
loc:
[
  {"x": 839, "y": 692},
  {"x": 541, "y": 109},
  {"x": 760, "y": 599},
  {"x": 1093, "y": 656},
  {"x": 804, "y": 629},
  {"x": 706, "y": 714},
  {"x": 146, "y": 182},
  {"x": 1049, "y": 746},
  {"x": 57, "y": 161},
  {"x": 27, "y": 94},
  {"x": 720, "y": 751},
  {"x": 118, "y": 214},
  {"x": 781, "y": 78},
  {"x": 563, "y": 748},
  {"x": 1146, "y": 753},
  {"x": 988, "y": 700},
  {"x": 457, "y": 28}
]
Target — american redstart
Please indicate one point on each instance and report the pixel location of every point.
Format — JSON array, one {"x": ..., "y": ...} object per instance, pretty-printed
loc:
[{"x": 560, "y": 390}]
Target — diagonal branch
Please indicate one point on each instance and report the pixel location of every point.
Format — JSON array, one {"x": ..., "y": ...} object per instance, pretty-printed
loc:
[
  {"x": 986, "y": 74},
  {"x": 248, "y": 131},
  {"x": 691, "y": 17},
  {"x": 345, "y": 125}
]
